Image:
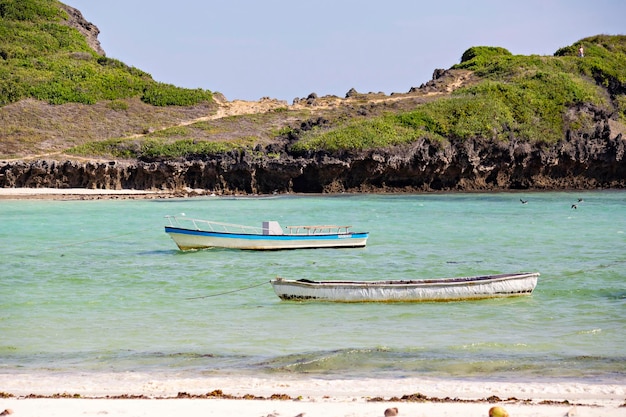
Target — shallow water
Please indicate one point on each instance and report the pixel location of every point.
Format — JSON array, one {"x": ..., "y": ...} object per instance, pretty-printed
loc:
[{"x": 97, "y": 286}]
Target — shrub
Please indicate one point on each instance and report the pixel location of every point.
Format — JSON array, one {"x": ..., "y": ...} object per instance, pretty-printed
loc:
[
  {"x": 168, "y": 95},
  {"x": 29, "y": 10},
  {"x": 483, "y": 53},
  {"x": 117, "y": 148},
  {"x": 151, "y": 148},
  {"x": 374, "y": 133},
  {"x": 118, "y": 105}
]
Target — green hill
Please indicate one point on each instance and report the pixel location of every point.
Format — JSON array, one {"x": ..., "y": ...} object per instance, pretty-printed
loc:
[
  {"x": 58, "y": 94},
  {"x": 45, "y": 59},
  {"x": 530, "y": 98}
]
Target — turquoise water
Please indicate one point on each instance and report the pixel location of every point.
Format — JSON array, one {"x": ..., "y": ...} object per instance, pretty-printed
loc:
[{"x": 97, "y": 286}]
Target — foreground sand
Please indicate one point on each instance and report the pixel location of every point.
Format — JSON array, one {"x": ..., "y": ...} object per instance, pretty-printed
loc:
[
  {"x": 136, "y": 395},
  {"x": 256, "y": 408}
]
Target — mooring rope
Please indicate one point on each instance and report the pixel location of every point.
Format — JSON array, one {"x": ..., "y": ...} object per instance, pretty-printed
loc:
[{"x": 228, "y": 292}]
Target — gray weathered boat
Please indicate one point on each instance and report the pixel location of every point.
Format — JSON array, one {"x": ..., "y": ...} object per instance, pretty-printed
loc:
[{"x": 443, "y": 289}]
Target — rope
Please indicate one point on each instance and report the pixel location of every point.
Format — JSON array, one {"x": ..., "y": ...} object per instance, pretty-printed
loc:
[{"x": 228, "y": 292}]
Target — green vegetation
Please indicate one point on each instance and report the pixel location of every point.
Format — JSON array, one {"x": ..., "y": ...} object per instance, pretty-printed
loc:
[
  {"x": 357, "y": 135},
  {"x": 483, "y": 54},
  {"x": 169, "y": 95},
  {"x": 44, "y": 59},
  {"x": 29, "y": 10},
  {"x": 154, "y": 146},
  {"x": 605, "y": 59},
  {"x": 525, "y": 97},
  {"x": 92, "y": 98}
]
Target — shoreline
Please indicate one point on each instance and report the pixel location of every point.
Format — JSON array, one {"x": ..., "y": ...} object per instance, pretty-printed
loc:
[
  {"x": 135, "y": 394},
  {"x": 101, "y": 194},
  {"x": 77, "y": 194}
]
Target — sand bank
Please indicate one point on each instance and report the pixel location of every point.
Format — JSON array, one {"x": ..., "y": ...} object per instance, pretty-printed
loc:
[{"x": 76, "y": 194}]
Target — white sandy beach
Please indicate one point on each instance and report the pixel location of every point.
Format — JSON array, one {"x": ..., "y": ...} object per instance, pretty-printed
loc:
[
  {"x": 311, "y": 397},
  {"x": 68, "y": 191},
  {"x": 51, "y": 193},
  {"x": 270, "y": 408}
]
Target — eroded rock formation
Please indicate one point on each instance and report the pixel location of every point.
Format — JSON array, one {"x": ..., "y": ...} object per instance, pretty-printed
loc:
[
  {"x": 475, "y": 165},
  {"x": 86, "y": 28}
]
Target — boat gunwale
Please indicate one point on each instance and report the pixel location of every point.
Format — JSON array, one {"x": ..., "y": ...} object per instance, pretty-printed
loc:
[
  {"x": 286, "y": 236},
  {"x": 239, "y": 229}
]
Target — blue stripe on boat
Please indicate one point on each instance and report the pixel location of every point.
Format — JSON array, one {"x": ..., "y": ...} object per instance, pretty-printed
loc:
[{"x": 264, "y": 237}]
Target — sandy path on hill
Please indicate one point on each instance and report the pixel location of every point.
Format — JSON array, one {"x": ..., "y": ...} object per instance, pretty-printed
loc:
[{"x": 264, "y": 105}]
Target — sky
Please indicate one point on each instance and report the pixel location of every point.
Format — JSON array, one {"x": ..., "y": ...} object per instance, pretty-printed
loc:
[{"x": 286, "y": 49}]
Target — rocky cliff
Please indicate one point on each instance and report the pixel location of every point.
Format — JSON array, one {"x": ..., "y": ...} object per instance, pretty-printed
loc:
[{"x": 579, "y": 163}]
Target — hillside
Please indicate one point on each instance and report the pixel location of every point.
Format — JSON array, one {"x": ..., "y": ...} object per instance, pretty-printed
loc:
[
  {"x": 58, "y": 89},
  {"x": 71, "y": 117}
]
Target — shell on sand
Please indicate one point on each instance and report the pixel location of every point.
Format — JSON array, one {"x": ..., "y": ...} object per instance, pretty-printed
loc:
[
  {"x": 498, "y": 412},
  {"x": 390, "y": 412}
]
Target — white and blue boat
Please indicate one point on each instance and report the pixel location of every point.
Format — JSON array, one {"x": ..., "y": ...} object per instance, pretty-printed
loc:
[{"x": 194, "y": 234}]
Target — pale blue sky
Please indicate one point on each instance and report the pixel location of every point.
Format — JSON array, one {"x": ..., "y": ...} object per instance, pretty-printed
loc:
[{"x": 248, "y": 49}]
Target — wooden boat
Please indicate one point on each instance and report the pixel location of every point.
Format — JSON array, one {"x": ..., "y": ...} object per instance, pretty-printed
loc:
[
  {"x": 189, "y": 234},
  {"x": 444, "y": 289}
]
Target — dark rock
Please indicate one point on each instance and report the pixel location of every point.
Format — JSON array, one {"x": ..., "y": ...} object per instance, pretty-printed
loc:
[
  {"x": 352, "y": 93},
  {"x": 473, "y": 165},
  {"x": 438, "y": 73},
  {"x": 311, "y": 99}
]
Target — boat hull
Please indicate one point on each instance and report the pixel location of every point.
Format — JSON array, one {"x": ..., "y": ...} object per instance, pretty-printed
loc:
[
  {"x": 188, "y": 239},
  {"x": 448, "y": 289}
]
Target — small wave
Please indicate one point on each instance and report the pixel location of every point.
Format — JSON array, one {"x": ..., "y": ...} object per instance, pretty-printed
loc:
[{"x": 592, "y": 331}]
